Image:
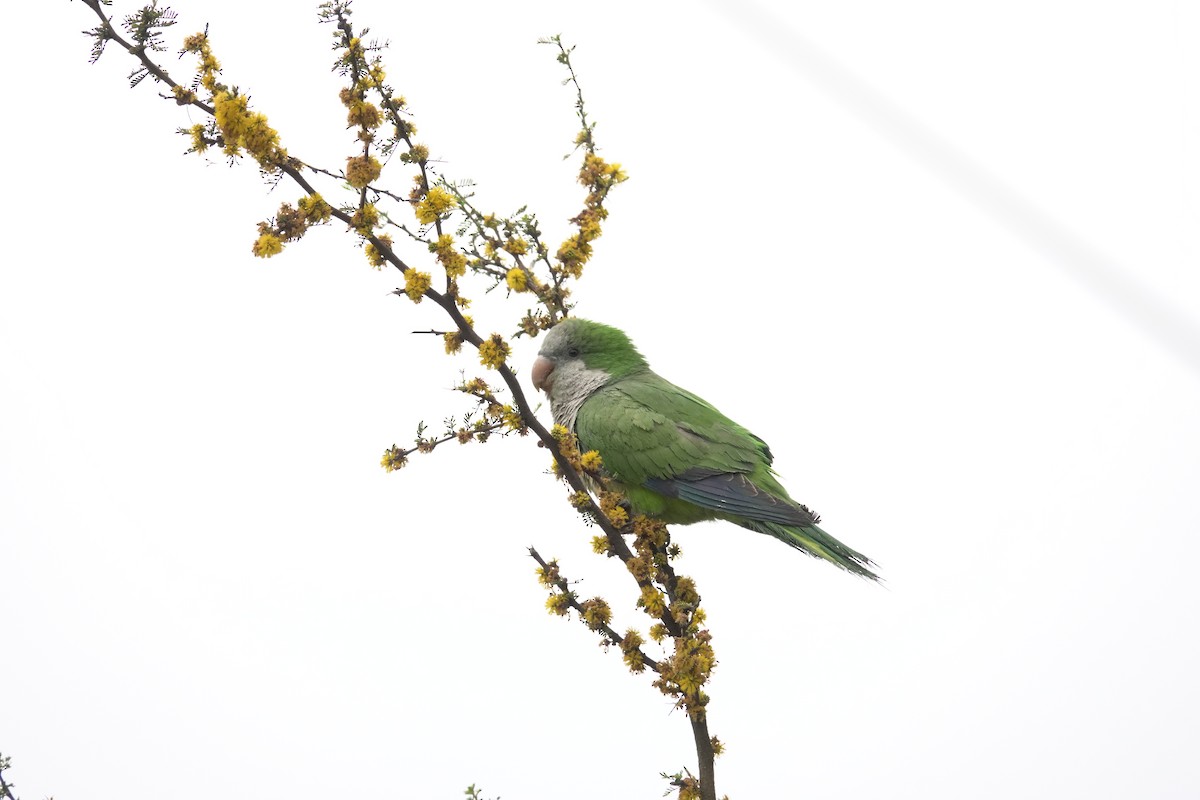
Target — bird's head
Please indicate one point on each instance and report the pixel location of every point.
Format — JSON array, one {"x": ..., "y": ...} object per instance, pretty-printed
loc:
[{"x": 575, "y": 348}]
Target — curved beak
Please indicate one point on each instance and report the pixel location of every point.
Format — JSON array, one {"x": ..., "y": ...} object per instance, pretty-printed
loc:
[{"x": 543, "y": 374}]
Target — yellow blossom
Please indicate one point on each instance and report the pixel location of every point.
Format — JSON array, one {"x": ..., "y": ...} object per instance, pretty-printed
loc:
[
  {"x": 652, "y": 600},
  {"x": 597, "y": 172},
  {"x": 374, "y": 255},
  {"x": 512, "y": 419},
  {"x": 639, "y": 568},
  {"x": 245, "y": 129},
  {"x": 267, "y": 245},
  {"x": 596, "y": 613},
  {"x": 559, "y": 603},
  {"x": 685, "y": 590},
  {"x": 493, "y": 351},
  {"x": 617, "y": 515},
  {"x": 364, "y": 115},
  {"x": 314, "y": 208},
  {"x": 393, "y": 459},
  {"x": 591, "y": 461},
  {"x": 230, "y": 111},
  {"x": 436, "y": 203},
  {"x": 631, "y": 650},
  {"x": 361, "y": 170},
  {"x": 454, "y": 342},
  {"x": 416, "y": 283},
  {"x": 517, "y": 280},
  {"x": 199, "y": 142},
  {"x": 454, "y": 262},
  {"x": 442, "y": 244},
  {"x": 195, "y": 43},
  {"x": 516, "y": 247},
  {"x": 260, "y": 139},
  {"x": 365, "y": 219},
  {"x": 549, "y": 575},
  {"x": 417, "y": 154}
]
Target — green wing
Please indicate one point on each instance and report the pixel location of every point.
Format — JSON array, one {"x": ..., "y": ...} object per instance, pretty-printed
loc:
[
  {"x": 683, "y": 461},
  {"x": 645, "y": 428},
  {"x": 655, "y": 436}
]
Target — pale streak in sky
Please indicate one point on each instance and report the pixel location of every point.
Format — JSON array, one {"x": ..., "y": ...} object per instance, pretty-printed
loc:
[{"x": 1107, "y": 279}]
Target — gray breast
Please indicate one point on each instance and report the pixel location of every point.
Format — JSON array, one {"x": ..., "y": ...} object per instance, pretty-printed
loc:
[{"x": 573, "y": 385}]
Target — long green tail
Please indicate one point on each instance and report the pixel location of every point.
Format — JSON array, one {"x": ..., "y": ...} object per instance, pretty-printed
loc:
[{"x": 816, "y": 543}]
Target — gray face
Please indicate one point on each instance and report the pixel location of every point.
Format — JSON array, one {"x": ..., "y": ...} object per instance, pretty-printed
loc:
[{"x": 561, "y": 372}]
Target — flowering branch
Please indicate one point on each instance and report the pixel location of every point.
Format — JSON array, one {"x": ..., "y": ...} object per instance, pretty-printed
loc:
[{"x": 508, "y": 250}]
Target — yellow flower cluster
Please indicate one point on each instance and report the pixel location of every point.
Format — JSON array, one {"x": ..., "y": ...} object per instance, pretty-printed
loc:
[
  {"x": 267, "y": 245},
  {"x": 315, "y": 209},
  {"x": 534, "y": 322},
  {"x": 209, "y": 66},
  {"x": 393, "y": 459},
  {"x": 639, "y": 568},
  {"x": 362, "y": 170},
  {"x": 454, "y": 262},
  {"x": 591, "y": 461},
  {"x": 688, "y": 669},
  {"x": 493, "y": 351},
  {"x": 437, "y": 202},
  {"x": 517, "y": 280},
  {"x": 512, "y": 419},
  {"x": 375, "y": 256},
  {"x": 549, "y": 575},
  {"x": 573, "y": 254},
  {"x": 417, "y": 154},
  {"x": 651, "y": 533},
  {"x": 559, "y": 603},
  {"x": 631, "y": 651},
  {"x": 416, "y": 284},
  {"x": 247, "y": 130},
  {"x": 199, "y": 141},
  {"x": 569, "y": 449},
  {"x": 597, "y": 174},
  {"x": 290, "y": 224},
  {"x": 653, "y": 601},
  {"x": 362, "y": 114},
  {"x": 596, "y": 613},
  {"x": 610, "y": 504},
  {"x": 454, "y": 342},
  {"x": 365, "y": 219},
  {"x": 689, "y": 788}
]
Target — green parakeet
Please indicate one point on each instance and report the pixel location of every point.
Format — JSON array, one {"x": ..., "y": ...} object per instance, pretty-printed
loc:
[{"x": 676, "y": 457}]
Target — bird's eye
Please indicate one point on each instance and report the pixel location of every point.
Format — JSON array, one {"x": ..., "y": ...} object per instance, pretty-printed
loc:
[{"x": 573, "y": 352}]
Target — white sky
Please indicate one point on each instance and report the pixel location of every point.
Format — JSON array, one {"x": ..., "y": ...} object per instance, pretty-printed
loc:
[{"x": 208, "y": 587}]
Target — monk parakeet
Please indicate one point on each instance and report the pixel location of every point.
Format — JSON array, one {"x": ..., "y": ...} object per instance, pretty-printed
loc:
[{"x": 676, "y": 457}]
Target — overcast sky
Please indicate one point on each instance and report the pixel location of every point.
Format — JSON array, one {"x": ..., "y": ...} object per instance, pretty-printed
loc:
[{"x": 943, "y": 257}]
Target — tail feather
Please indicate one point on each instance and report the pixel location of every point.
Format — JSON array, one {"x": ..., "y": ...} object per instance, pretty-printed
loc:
[{"x": 817, "y": 543}]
